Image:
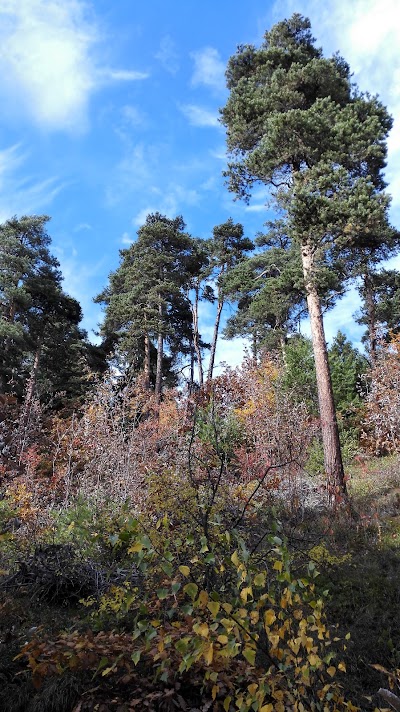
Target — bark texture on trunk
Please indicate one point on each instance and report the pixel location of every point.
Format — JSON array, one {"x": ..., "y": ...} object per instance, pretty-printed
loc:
[
  {"x": 160, "y": 353},
  {"x": 30, "y": 393},
  {"x": 146, "y": 361},
  {"x": 371, "y": 316},
  {"x": 196, "y": 337},
  {"x": 214, "y": 341},
  {"x": 329, "y": 427}
]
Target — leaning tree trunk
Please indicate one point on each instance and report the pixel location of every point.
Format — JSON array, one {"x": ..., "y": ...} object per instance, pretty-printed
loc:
[
  {"x": 214, "y": 341},
  {"x": 329, "y": 427}
]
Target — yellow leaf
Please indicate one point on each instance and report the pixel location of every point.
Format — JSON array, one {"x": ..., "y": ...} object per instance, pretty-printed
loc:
[
  {"x": 185, "y": 570},
  {"x": 136, "y": 547},
  {"x": 245, "y": 593},
  {"x": 267, "y": 708},
  {"x": 253, "y": 688},
  {"x": 223, "y": 639},
  {"x": 203, "y": 598},
  {"x": 314, "y": 659},
  {"x": 214, "y": 691},
  {"x": 294, "y": 645},
  {"x": 208, "y": 654},
  {"x": 227, "y": 703},
  {"x": 274, "y": 640},
  {"x": 342, "y": 667},
  {"x": 213, "y": 607},
  {"x": 202, "y": 629},
  {"x": 254, "y": 617},
  {"x": 269, "y": 617},
  {"x": 278, "y": 566},
  {"x": 227, "y": 607},
  {"x": 235, "y": 559},
  {"x": 331, "y": 671},
  {"x": 250, "y": 655}
]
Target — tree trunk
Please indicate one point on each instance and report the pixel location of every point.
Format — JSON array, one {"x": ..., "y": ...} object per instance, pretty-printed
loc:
[
  {"x": 329, "y": 427},
  {"x": 30, "y": 392},
  {"x": 146, "y": 361},
  {"x": 160, "y": 353},
  {"x": 254, "y": 349},
  {"x": 371, "y": 316},
  {"x": 214, "y": 341},
  {"x": 196, "y": 338}
]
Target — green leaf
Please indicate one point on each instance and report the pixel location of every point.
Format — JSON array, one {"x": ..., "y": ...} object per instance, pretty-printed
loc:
[
  {"x": 259, "y": 579},
  {"x": 191, "y": 590},
  {"x": 250, "y": 655},
  {"x": 135, "y": 657}
]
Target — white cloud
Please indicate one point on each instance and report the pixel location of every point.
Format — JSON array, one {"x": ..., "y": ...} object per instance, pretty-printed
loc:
[
  {"x": 82, "y": 226},
  {"x": 132, "y": 115},
  {"x": 229, "y": 353},
  {"x": 123, "y": 75},
  {"x": 209, "y": 69},
  {"x": 171, "y": 202},
  {"x": 133, "y": 172},
  {"x": 219, "y": 153},
  {"x": 22, "y": 196},
  {"x": 198, "y": 116},
  {"x": 126, "y": 239},
  {"x": 48, "y": 64},
  {"x": 255, "y": 208},
  {"x": 168, "y": 55}
]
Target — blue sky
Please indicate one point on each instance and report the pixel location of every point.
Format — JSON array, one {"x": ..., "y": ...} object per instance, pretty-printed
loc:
[{"x": 110, "y": 111}]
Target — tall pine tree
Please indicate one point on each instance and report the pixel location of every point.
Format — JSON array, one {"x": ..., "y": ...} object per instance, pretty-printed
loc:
[{"x": 296, "y": 123}]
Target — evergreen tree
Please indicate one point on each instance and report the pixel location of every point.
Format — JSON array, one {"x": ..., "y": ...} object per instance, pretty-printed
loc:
[
  {"x": 269, "y": 293},
  {"x": 199, "y": 269},
  {"x": 24, "y": 252},
  {"x": 146, "y": 303},
  {"x": 43, "y": 350},
  {"x": 347, "y": 366},
  {"x": 296, "y": 123},
  {"x": 227, "y": 248},
  {"x": 380, "y": 310}
]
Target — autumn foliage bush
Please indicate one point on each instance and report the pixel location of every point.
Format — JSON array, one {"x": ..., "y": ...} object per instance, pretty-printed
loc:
[
  {"x": 382, "y": 420},
  {"x": 252, "y": 636}
]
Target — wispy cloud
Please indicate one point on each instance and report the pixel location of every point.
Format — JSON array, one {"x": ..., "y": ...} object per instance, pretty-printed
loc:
[
  {"x": 168, "y": 55},
  {"x": 126, "y": 239},
  {"x": 170, "y": 201},
  {"x": 48, "y": 61},
  {"x": 123, "y": 75},
  {"x": 199, "y": 116},
  {"x": 22, "y": 195},
  {"x": 80, "y": 280},
  {"x": 133, "y": 116},
  {"x": 209, "y": 69},
  {"x": 82, "y": 226}
]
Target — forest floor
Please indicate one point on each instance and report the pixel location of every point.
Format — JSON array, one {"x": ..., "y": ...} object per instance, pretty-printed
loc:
[{"x": 357, "y": 555}]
